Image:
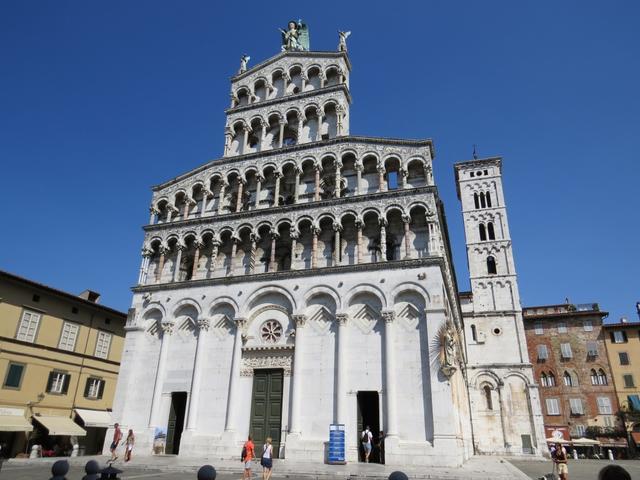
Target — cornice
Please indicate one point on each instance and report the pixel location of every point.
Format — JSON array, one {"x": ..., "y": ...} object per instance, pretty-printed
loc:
[
  {"x": 290, "y": 98},
  {"x": 270, "y": 276},
  {"x": 299, "y": 148},
  {"x": 319, "y": 205},
  {"x": 275, "y": 58}
]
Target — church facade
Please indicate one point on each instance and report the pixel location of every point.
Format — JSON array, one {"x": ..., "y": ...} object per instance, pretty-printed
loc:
[{"x": 305, "y": 279}]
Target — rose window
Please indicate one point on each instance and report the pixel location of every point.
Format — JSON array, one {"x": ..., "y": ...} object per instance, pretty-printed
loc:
[{"x": 271, "y": 331}]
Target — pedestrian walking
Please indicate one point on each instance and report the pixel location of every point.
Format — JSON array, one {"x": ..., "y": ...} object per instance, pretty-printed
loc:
[
  {"x": 366, "y": 438},
  {"x": 560, "y": 458},
  {"x": 247, "y": 457},
  {"x": 117, "y": 436},
  {"x": 128, "y": 445},
  {"x": 267, "y": 459}
]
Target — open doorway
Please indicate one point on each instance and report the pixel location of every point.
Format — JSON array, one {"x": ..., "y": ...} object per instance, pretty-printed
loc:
[
  {"x": 369, "y": 416},
  {"x": 176, "y": 422}
]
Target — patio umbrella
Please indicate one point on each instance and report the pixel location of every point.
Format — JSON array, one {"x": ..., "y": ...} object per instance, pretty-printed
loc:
[
  {"x": 557, "y": 440},
  {"x": 585, "y": 442}
]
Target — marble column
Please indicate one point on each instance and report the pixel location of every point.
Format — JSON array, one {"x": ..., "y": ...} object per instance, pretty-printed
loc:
[
  {"x": 282, "y": 123},
  {"x": 223, "y": 187},
  {"x": 406, "y": 220},
  {"x": 263, "y": 138},
  {"x": 228, "y": 138},
  {"x": 341, "y": 369},
  {"x": 273, "y": 265},
  {"x": 298, "y": 376},
  {"x": 241, "y": 182},
  {"x": 166, "y": 327},
  {"x": 215, "y": 245},
  {"x": 252, "y": 258},
  {"x": 296, "y": 189},
  {"x": 259, "y": 180},
  {"x": 294, "y": 234},
  {"x": 245, "y": 139},
  {"x": 381, "y": 182},
  {"x": 390, "y": 372},
  {"x": 206, "y": 195},
  {"x": 276, "y": 190},
  {"x": 359, "y": 168},
  {"x": 301, "y": 120},
  {"x": 171, "y": 209},
  {"x": 383, "y": 240},
  {"x": 337, "y": 228},
  {"x": 176, "y": 268},
  {"x": 359, "y": 225},
  {"x": 314, "y": 246},
  {"x": 305, "y": 79},
  {"x": 323, "y": 79},
  {"x": 320, "y": 115},
  {"x": 316, "y": 193},
  {"x": 403, "y": 177},
  {"x": 188, "y": 202},
  {"x": 196, "y": 258},
  {"x": 203, "y": 325},
  {"x": 163, "y": 251},
  {"x": 153, "y": 212},
  {"x": 232, "y": 258},
  {"x": 338, "y": 178},
  {"x": 230, "y": 424}
]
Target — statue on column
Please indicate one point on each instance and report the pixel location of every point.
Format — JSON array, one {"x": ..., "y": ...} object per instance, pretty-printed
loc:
[
  {"x": 296, "y": 37},
  {"x": 448, "y": 339},
  {"x": 243, "y": 63},
  {"x": 342, "y": 45}
]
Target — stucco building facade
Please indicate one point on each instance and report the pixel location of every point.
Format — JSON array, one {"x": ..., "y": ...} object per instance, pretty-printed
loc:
[{"x": 304, "y": 279}]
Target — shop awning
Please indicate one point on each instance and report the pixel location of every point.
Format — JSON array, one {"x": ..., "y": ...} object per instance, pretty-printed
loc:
[
  {"x": 636, "y": 437},
  {"x": 634, "y": 400},
  {"x": 619, "y": 442},
  {"x": 12, "y": 420},
  {"x": 61, "y": 426},
  {"x": 95, "y": 418}
]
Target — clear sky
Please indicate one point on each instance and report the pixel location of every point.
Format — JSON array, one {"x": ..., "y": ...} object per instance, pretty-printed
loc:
[{"x": 101, "y": 100}]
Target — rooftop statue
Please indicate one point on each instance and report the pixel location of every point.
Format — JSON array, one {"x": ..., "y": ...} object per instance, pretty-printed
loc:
[
  {"x": 296, "y": 37},
  {"x": 243, "y": 63},
  {"x": 342, "y": 46}
]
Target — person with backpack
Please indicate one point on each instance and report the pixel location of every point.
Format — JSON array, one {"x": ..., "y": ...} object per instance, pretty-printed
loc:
[
  {"x": 247, "y": 457},
  {"x": 560, "y": 458},
  {"x": 267, "y": 459},
  {"x": 366, "y": 438}
]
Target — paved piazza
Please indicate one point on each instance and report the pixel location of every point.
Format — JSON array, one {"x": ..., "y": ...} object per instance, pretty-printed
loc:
[{"x": 579, "y": 470}]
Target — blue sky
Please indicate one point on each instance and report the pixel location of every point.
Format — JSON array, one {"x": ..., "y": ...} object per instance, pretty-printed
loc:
[{"x": 101, "y": 100}]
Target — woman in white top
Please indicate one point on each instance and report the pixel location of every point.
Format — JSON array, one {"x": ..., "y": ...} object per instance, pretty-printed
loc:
[{"x": 267, "y": 459}]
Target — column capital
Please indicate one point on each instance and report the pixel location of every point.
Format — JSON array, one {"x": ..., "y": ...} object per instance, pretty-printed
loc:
[
  {"x": 153, "y": 210},
  {"x": 198, "y": 244},
  {"x": 388, "y": 316},
  {"x": 317, "y": 167},
  {"x": 282, "y": 121},
  {"x": 342, "y": 318},
  {"x": 190, "y": 201},
  {"x": 181, "y": 246},
  {"x": 337, "y": 227},
  {"x": 171, "y": 207},
  {"x": 259, "y": 177},
  {"x": 204, "y": 324},
  {"x": 359, "y": 223},
  {"x": 274, "y": 235},
  {"x": 297, "y": 170},
  {"x": 147, "y": 252},
  {"x": 207, "y": 193},
  {"x": 241, "y": 180},
  {"x": 315, "y": 229},
  {"x": 319, "y": 112},
  {"x": 278, "y": 174},
  {"x": 300, "y": 320},
  {"x": 383, "y": 222},
  {"x": 381, "y": 168},
  {"x": 240, "y": 322},
  {"x": 358, "y": 166},
  {"x": 338, "y": 163},
  {"x": 167, "y": 327},
  {"x": 294, "y": 234},
  {"x": 254, "y": 236},
  {"x": 406, "y": 218},
  {"x": 164, "y": 249}
]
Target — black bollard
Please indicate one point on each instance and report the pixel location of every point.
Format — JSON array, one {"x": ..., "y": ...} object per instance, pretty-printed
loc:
[
  {"x": 207, "y": 472},
  {"x": 92, "y": 470},
  {"x": 398, "y": 476},
  {"x": 110, "y": 472},
  {"x": 59, "y": 470}
]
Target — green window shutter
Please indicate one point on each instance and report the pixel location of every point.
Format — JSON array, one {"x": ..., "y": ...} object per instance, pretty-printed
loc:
[
  {"x": 14, "y": 375},
  {"x": 101, "y": 389},
  {"x": 65, "y": 384},
  {"x": 50, "y": 381}
]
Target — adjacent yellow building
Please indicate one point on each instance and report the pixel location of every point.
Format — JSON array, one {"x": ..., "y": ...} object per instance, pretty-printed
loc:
[{"x": 59, "y": 361}]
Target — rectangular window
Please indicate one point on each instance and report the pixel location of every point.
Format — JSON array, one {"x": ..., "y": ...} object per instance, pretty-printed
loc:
[
  {"x": 102, "y": 345},
  {"x": 604, "y": 405},
  {"x": 592, "y": 349},
  {"x": 539, "y": 328},
  {"x": 94, "y": 388},
  {"x": 58, "y": 382},
  {"x": 543, "y": 353},
  {"x": 619, "y": 336},
  {"x": 14, "y": 375},
  {"x": 628, "y": 381},
  {"x": 581, "y": 430},
  {"x": 587, "y": 325},
  {"x": 576, "y": 406},
  {"x": 565, "y": 350},
  {"x": 28, "y": 326},
  {"x": 68, "y": 336},
  {"x": 624, "y": 358},
  {"x": 608, "y": 421},
  {"x": 562, "y": 327},
  {"x": 553, "y": 406}
]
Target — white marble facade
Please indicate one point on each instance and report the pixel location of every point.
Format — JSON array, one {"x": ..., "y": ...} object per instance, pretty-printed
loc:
[{"x": 306, "y": 251}]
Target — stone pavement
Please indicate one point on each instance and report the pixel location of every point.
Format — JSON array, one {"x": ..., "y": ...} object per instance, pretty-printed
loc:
[
  {"x": 578, "y": 469},
  {"x": 166, "y": 466}
]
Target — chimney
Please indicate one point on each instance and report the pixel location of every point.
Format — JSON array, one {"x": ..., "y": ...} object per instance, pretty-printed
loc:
[{"x": 90, "y": 295}]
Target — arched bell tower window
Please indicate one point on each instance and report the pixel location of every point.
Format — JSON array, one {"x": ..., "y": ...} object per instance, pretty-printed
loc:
[
  {"x": 483, "y": 232},
  {"x": 483, "y": 202},
  {"x": 490, "y": 231},
  {"x": 476, "y": 200},
  {"x": 487, "y": 397},
  {"x": 491, "y": 265},
  {"x": 488, "y": 197}
]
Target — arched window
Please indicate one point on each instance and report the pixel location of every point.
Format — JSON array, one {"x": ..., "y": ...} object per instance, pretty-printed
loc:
[
  {"x": 544, "y": 380},
  {"x": 568, "y": 381},
  {"x": 491, "y": 265},
  {"x": 594, "y": 377},
  {"x": 490, "y": 231},
  {"x": 476, "y": 201},
  {"x": 483, "y": 202},
  {"x": 602, "y": 377},
  {"x": 474, "y": 333},
  {"x": 487, "y": 397},
  {"x": 551, "y": 380},
  {"x": 483, "y": 232},
  {"x": 488, "y": 199}
]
